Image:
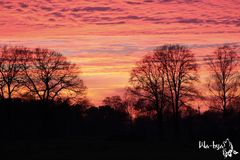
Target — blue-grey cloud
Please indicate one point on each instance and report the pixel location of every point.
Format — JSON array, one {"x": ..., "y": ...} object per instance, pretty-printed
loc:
[
  {"x": 189, "y": 20},
  {"x": 23, "y": 5},
  {"x": 133, "y": 3},
  {"x": 130, "y": 17},
  {"x": 57, "y": 14},
  {"x": 95, "y": 9},
  {"x": 110, "y": 23},
  {"x": 148, "y": 1}
]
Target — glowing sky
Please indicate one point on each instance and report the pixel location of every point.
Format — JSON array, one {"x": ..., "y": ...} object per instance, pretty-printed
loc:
[{"x": 106, "y": 38}]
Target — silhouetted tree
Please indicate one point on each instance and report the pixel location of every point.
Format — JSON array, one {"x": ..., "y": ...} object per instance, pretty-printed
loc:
[
  {"x": 224, "y": 82},
  {"x": 148, "y": 83},
  {"x": 115, "y": 102},
  {"x": 49, "y": 76},
  {"x": 10, "y": 69},
  {"x": 180, "y": 70},
  {"x": 84, "y": 102}
]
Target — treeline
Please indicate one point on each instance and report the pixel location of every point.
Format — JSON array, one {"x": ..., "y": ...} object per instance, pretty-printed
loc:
[
  {"x": 33, "y": 120},
  {"x": 20, "y": 119},
  {"x": 162, "y": 83}
]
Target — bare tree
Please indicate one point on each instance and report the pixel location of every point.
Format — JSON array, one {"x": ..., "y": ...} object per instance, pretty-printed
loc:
[
  {"x": 224, "y": 82},
  {"x": 148, "y": 82},
  {"x": 49, "y": 76},
  {"x": 180, "y": 70},
  {"x": 10, "y": 70}
]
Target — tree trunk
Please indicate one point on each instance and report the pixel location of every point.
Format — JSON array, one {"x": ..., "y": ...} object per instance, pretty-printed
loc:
[{"x": 9, "y": 92}]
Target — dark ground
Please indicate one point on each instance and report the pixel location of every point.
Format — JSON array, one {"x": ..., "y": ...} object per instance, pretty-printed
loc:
[{"x": 31, "y": 130}]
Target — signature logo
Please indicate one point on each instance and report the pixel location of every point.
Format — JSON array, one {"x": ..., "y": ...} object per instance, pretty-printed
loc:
[{"x": 226, "y": 147}]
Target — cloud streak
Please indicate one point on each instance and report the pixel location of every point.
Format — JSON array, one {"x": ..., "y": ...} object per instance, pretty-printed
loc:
[{"x": 147, "y": 12}]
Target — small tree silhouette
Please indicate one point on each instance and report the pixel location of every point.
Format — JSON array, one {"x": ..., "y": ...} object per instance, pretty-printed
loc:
[
  {"x": 224, "y": 82},
  {"x": 115, "y": 102},
  {"x": 11, "y": 69}
]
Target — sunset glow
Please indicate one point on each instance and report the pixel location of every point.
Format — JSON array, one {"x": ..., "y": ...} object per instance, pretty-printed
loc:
[{"x": 106, "y": 38}]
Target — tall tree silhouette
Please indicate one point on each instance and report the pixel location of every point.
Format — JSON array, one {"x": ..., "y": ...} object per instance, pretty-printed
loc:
[
  {"x": 148, "y": 82},
  {"x": 10, "y": 69},
  {"x": 180, "y": 69},
  {"x": 224, "y": 82},
  {"x": 48, "y": 76}
]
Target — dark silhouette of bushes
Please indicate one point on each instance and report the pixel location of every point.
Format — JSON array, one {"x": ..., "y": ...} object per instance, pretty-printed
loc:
[
  {"x": 58, "y": 128},
  {"x": 35, "y": 119}
]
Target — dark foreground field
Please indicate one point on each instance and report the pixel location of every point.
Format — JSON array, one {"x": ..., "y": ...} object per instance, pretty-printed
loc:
[
  {"x": 95, "y": 147},
  {"x": 32, "y": 131},
  {"x": 98, "y": 147}
]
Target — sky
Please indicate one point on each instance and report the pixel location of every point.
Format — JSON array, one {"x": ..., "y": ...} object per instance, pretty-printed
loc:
[{"x": 106, "y": 37}]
